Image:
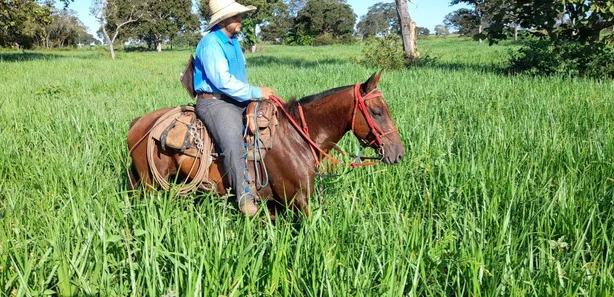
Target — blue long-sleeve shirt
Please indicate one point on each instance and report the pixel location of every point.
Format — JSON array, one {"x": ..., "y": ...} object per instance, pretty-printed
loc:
[{"x": 219, "y": 67}]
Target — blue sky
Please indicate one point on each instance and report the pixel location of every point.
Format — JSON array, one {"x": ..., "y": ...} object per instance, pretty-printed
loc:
[{"x": 426, "y": 13}]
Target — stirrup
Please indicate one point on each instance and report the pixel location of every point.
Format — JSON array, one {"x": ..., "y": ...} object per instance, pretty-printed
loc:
[
  {"x": 247, "y": 206},
  {"x": 254, "y": 197}
]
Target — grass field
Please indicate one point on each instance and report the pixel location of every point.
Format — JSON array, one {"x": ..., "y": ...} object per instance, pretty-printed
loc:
[{"x": 507, "y": 187}]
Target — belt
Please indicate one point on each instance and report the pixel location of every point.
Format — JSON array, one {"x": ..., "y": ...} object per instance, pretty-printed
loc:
[{"x": 209, "y": 96}]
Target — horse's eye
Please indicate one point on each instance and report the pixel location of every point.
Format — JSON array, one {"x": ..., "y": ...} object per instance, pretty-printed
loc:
[{"x": 377, "y": 112}]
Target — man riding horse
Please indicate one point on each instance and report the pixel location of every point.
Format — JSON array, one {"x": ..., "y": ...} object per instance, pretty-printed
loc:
[
  {"x": 168, "y": 144},
  {"x": 220, "y": 80}
]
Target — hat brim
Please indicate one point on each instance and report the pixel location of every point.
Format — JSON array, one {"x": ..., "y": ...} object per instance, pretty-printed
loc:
[{"x": 229, "y": 11}]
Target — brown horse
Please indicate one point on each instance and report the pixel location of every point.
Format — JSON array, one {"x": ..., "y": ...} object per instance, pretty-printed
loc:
[{"x": 291, "y": 163}]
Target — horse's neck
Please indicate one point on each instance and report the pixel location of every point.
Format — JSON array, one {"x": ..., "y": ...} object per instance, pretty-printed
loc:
[{"x": 329, "y": 118}]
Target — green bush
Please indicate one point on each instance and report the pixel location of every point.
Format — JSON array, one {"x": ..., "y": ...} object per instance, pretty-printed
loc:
[
  {"x": 387, "y": 53},
  {"x": 384, "y": 53},
  {"x": 569, "y": 59},
  {"x": 324, "y": 39},
  {"x": 297, "y": 39},
  {"x": 348, "y": 40},
  {"x": 327, "y": 39}
]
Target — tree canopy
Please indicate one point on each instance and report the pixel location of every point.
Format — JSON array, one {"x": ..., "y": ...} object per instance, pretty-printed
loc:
[
  {"x": 19, "y": 21},
  {"x": 264, "y": 13},
  {"x": 380, "y": 20},
  {"x": 163, "y": 20},
  {"x": 423, "y": 31},
  {"x": 117, "y": 16},
  {"x": 281, "y": 22},
  {"x": 29, "y": 23},
  {"x": 464, "y": 21},
  {"x": 322, "y": 17},
  {"x": 441, "y": 30},
  {"x": 571, "y": 20}
]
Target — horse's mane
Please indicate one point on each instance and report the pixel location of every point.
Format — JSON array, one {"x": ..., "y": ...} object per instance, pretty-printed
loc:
[{"x": 292, "y": 104}]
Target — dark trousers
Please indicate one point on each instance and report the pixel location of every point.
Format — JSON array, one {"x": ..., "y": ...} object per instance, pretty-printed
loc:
[{"x": 224, "y": 121}]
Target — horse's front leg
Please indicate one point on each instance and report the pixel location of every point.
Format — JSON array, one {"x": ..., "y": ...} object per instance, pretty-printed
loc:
[
  {"x": 301, "y": 202},
  {"x": 294, "y": 197}
]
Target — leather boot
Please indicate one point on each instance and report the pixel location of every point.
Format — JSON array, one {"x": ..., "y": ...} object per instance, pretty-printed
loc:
[{"x": 247, "y": 206}]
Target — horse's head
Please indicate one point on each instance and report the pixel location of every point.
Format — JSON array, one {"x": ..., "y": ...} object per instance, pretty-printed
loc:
[{"x": 372, "y": 123}]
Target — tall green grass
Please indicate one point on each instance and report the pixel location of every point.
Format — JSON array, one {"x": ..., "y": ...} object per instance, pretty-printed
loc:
[{"x": 506, "y": 189}]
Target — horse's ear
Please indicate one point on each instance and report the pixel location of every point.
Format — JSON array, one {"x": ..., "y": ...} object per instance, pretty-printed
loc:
[{"x": 371, "y": 83}]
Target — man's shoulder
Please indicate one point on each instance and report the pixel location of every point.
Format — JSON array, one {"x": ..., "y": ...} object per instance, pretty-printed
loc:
[{"x": 209, "y": 39}]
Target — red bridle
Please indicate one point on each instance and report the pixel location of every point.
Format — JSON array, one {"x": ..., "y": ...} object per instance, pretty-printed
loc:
[
  {"x": 375, "y": 129},
  {"x": 359, "y": 104}
]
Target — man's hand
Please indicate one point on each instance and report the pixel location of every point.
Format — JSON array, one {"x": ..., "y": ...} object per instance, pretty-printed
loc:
[{"x": 266, "y": 92}]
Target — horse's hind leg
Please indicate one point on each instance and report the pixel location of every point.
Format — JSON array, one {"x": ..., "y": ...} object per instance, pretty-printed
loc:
[
  {"x": 142, "y": 177},
  {"x": 134, "y": 181},
  {"x": 139, "y": 174}
]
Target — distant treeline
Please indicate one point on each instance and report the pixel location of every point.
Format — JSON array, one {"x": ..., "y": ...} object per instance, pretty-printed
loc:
[
  {"x": 148, "y": 23},
  {"x": 28, "y": 24}
]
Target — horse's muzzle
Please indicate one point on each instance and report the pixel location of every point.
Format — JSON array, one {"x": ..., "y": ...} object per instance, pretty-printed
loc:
[{"x": 393, "y": 153}]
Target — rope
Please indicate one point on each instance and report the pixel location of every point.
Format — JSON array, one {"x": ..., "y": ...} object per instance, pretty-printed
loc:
[
  {"x": 185, "y": 187},
  {"x": 258, "y": 148}
]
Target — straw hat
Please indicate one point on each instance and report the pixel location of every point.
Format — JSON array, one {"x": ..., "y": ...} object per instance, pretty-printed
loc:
[{"x": 223, "y": 9}]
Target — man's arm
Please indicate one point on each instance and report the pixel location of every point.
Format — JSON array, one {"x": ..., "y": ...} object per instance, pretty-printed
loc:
[{"x": 216, "y": 69}]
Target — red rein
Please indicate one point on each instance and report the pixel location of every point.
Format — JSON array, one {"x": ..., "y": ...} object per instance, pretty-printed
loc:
[{"x": 359, "y": 104}]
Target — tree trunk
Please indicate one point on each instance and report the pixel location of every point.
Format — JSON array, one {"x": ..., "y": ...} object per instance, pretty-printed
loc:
[
  {"x": 414, "y": 39},
  {"x": 480, "y": 30},
  {"x": 480, "y": 14},
  {"x": 159, "y": 45},
  {"x": 102, "y": 16},
  {"x": 109, "y": 40},
  {"x": 252, "y": 48},
  {"x": 516, "y": 32},
  {"x": 112, "y": 51},
  {"x": 409, "y": 44}
]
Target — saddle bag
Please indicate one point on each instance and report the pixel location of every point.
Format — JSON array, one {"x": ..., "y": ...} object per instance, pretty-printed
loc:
[{"x": 177, "y": 135}]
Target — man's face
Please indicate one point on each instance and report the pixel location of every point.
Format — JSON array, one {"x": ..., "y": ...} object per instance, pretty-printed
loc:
[{"x": 232, "y": 24}]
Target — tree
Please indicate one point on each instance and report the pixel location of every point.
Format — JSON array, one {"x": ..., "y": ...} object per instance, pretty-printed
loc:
[
  {"x": 163, "y": 20},
  {"x": 422, "y": 31},
  {"x": 20, "y": 20},
  {"x": 115, "y": 15},
  {"x": 294, "y": 6},
  {"x": 408, "y": 32},
  {"x": 441, "y": 30},
  {"x": 264, "y": 13},
  {"x": 64, "y": 29},
  {"x": 88, "y": 39},
  {"x": 187, "y": 39},
  {"x": 276, "y": 29},
  {"x": 26, "y": 24},
  {"x": 479, "y": 9},
  {"x": 380, "y": 20},
  {"x": 324, "y": 17},
  {"x": 464, "y": 21},
  {"x": 571, "y": 20}
]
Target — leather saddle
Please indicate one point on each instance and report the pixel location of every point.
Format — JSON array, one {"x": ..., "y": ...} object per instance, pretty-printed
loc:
[
  {"x": 180, "y": 130},
  {"x": 261, "y": 124}
]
